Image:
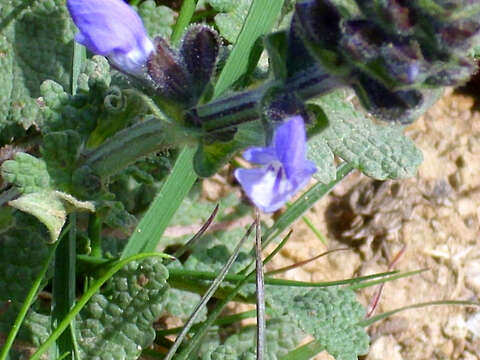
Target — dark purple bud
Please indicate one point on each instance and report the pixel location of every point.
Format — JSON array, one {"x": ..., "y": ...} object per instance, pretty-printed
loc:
[
  {"x": 404, "y": 63},
  {"x": 318, "y": 24},
  {"x": 169, "y": 75},
  {"x": 362, "y": 40},
  {"x": 452, "y": 75},
  {"x": 459, "y": 34},
  {"x": 321, "y": 21},
  {"x": 200, "y": 47},
  {"x": 386, "y": 104},
  {"x": 298, "y": 57}
]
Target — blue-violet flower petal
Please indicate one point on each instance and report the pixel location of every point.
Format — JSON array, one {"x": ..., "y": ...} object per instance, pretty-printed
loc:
[
  {"x": 113, "y": 29},
  {"x": 285, "y": 168}
]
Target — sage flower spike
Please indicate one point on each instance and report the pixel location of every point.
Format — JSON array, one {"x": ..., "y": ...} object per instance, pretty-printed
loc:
[
  {"x": 113, "y": 29},
  {"x": 285, "y": 169}
]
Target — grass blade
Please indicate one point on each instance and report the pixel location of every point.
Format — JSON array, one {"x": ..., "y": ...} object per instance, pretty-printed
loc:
[
  {"x": 207, "y": 296},
  {"x": 183, "y": 20},
  {"x": 64, "y": 286},
  {"x": 260, "y": 288},
  {"x": 386, "y": 279},
  {"x": 373, "y": 319},
  {"x": 304, "y": 352},
  {"x": 84, "y": 299},
  {"x": 179, "y": 277},
  {"x": 149, "y": 231},
  {"x": 260, "y": 20}
]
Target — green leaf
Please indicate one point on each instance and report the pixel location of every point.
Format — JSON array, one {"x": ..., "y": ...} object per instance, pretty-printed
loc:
[
  {"x": 282, "y": 335},
  {"x": 23, "y": 252},
  {"x": 380, "y": 151},
  {"x": 330, "y": 315},
  {"x": 117, "y": 322},
  {"x": 149, "y": 231},
  {"x": 214, "y": 258},
  {"x": 39, "y": 198},
  {"x": 322, "y": 156},
  {"x": 158, "y": 20},
  {"x": 46, "y": 207},
  {"x": 181, "y": 303},
  {"x": 60, "y": 151},
  {"x": 26, "y": 172},
  {"x": 94, "y": 99},
  {"x": 233, "y": 14},
  {"x": 35, "y": 43}
]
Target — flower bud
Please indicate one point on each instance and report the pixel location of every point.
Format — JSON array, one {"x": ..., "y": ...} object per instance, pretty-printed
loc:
[
  {"x": 181, "y": 76},
  {"x": 392, "y": 47},
  {"x": 113, "y": 29}
]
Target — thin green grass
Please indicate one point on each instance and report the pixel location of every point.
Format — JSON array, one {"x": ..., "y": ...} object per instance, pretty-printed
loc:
[
  {"x": 207, "y": 296},
  {"x": 184, "y": 18}
]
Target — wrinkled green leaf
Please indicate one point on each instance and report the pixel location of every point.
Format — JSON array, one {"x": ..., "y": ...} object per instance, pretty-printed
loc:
[
  {"x": 46, "y": 207},
  {"x": 35, "y": 42},
  {"x": 231, "y": 18},
  {"x": 180, "y": 304},
  {"x": 27, "y": 172},
  {"x": 38, "y": 198},
  {"x": 322, "y": 156},
  {"x": 330, "y": 315},
  {"x": 214, "y": 258},
  {"x": 281, "y": 336},
  {"x": 117, "y": 322},
  {"x": 23, "y": 251},
  {"x": 158, "y": 20},
  {"x": 380, "y": 151}
]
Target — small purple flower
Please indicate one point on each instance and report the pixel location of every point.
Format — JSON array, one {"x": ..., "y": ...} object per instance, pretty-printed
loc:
[
  {"x": 113, "y": 29},
  {"x": 285, "y": 169}
]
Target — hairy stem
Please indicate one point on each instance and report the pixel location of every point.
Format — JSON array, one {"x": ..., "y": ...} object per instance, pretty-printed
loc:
[
  {"x": 246, "y": 106},
  {"x": 153, "y": 135}
]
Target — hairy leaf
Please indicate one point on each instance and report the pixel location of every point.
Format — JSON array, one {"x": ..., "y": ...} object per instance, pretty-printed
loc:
[
  {"x": 117, "y": 322},
  {"x": 180, "y": 304},
  {"x": 39, "y": 198},
  {"x": 35, "y": 43},
  {"x": 158, "y": 20},
  {"x": 330, "y": 315},
  {"x": 23, "y": 251},
  {"x": 281, "y": 336},
  {"x": 231, "y": 17},
  {"x": 27, "y": 172},
  {"x": 380, "y": 151}
]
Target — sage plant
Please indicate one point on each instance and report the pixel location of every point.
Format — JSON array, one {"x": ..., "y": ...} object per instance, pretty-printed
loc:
[
  {"x": 392, "y": 53},
  {"x": 84, "y": 139}
]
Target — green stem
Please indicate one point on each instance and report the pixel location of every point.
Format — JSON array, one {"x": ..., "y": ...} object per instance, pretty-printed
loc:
[
  {"x": 94, "y": 234},
  {"x": 131, "y": 144},
  {"x": 64, "y": 285}
]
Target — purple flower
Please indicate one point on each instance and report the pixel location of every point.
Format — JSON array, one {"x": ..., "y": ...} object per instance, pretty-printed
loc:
[
  {"x": 112, "y": 28},
  {"x": 285, "y": 169}
]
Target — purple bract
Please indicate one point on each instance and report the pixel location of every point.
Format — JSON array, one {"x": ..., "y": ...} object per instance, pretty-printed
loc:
[
  {"x": 285, "y": 168},
  {"x": 113, "y": 29}
]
